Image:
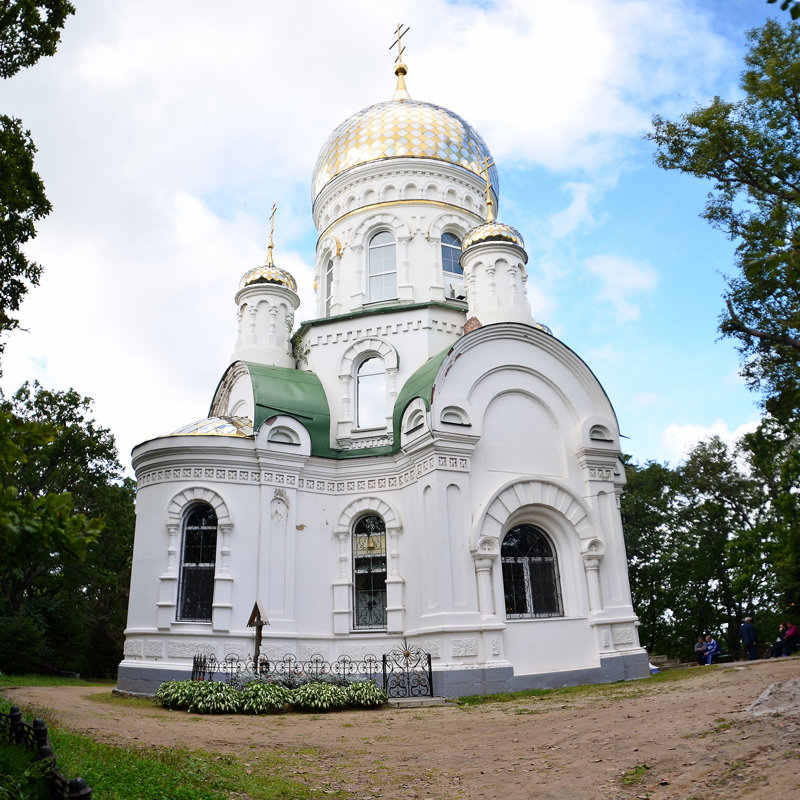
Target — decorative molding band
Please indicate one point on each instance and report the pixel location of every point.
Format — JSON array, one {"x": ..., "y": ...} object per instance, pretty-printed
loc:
[{"x": 271, "y": 477}]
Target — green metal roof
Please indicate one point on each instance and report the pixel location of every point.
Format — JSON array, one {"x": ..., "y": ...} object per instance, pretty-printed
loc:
[
  {"x": 419, "y": 384},
  {"x": 299, "y": 394},
  {"x": 295, "y": 393}
]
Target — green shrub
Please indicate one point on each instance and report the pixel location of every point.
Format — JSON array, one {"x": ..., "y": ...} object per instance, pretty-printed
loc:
[
  {"x": 177, "y": 694},
  {"x": 365, "y": 695},
  {"x": 213, "y": 697},
  {"x": 318, "y": 697},
  {"x": 264, "y": 698}
]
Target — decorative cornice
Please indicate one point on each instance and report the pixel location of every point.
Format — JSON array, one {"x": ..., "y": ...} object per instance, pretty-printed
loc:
[{"x": 389, "y": 480}]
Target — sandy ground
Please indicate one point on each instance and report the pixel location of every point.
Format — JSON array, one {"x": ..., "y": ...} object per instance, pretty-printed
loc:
[{"x": 729, "y": 731}]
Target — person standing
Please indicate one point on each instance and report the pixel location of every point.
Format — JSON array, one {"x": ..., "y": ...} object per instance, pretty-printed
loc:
[{"x": 747, "y": 633}]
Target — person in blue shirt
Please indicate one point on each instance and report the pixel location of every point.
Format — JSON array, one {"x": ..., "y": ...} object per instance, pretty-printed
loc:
[{"x": 712, "y": 649}]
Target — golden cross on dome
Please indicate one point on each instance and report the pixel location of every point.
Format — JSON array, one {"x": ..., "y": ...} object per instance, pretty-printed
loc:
[
  {"x": 399, "y": 41},
  {"x": 271, "y": 233},
  {"x": 487, "y": 165},
  {"x": 400, "y": 93}
]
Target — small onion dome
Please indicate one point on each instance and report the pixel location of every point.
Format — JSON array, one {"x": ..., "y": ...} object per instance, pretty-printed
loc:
[
  {"x": 492, "y": 232},
  {"x": 542, "y": 327},
  {"x": 401, "y": 128},
  {"x": 269, "y": 273},
  {"x": 218, "y": 426}
]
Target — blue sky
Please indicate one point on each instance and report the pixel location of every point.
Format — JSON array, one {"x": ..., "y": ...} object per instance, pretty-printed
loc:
[{"x": 166, "y": 130}]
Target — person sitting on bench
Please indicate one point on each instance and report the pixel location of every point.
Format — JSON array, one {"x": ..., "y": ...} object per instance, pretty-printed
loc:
[{"x": 712, "y": 649}]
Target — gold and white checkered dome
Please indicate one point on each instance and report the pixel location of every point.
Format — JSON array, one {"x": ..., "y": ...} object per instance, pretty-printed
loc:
[
  {"x": 218, "y": 426},
  {"x": 492, "y": 232},
  {"x": 268, "y": 273},
  {"x": 401, "y": 129}
]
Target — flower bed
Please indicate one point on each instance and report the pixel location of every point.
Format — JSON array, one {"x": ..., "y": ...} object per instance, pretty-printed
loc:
[{"x": 214, "y": 697}]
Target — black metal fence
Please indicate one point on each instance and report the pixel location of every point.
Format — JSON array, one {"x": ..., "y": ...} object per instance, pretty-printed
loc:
[
  {"x": 35, "y": 738},
  {"x": 403, "y": 672}
]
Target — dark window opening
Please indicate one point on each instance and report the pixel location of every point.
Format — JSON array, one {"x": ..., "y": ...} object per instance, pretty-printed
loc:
[
  {"x": 369, "y": 573},
  {"x": 531, "y": 582},
  {"x": 197, "y": 565}
]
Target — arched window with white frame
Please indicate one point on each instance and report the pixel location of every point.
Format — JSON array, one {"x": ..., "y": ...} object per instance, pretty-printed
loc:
[
  {"x": 531, "y": 582},
  {"x": 328, "y": 287},
  {"x": 198, "y": 563},
  {"x": 382, "y": 267},
  {"x": 371, "y": 393},
  {"x": 451, "y": 254},
  {"x": 369, "y": 572}
]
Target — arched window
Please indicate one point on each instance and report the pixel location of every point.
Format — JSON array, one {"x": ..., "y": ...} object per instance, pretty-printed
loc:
[
  {"x": 328, "y": 286},
  {"x": 382, "y": 267},
  {"x": 199, "y": 555},
  {"x": 369, "y": 572},
  {"x": 371, "y": 394},
  {"x": 530, "y": 574},
  {"x": 451, "y": 253}
]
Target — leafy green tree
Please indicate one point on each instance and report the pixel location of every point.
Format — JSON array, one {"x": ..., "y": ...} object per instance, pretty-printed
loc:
[
  {"x": 793, "y": 7},
  {"x": 701, "y": 544},
  {"x": 773, "y": 453},
  {"x": 721, "y": 564},
  {"x": 750, "y": 150},
  {"x": 648, "y": 519},
  {"x": 29, "y": 29},
  {"x": 66, "y": 529}
]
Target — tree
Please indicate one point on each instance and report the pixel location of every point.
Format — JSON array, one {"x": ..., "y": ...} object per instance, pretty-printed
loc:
[
  {"x": 701, "y": 541},
  {"x": 66, "y": 529},
  {"x": 793, "y": 6},
  {"x": 648, "y": 519},
  {"x": 29, "y": 29},
  {"x": 750, "y": 150}
]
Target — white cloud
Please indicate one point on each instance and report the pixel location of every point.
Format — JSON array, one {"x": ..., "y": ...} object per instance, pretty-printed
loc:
[
  {"x": 621, "y": 282},
  {"x": 680, "y": 439}
]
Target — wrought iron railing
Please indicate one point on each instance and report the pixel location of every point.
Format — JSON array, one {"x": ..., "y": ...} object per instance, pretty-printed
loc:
[
  {"x": 403, "y": 672},
  {"x": 34, "y": 737}
]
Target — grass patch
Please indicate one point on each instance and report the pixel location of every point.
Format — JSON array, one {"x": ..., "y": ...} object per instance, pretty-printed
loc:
[
  {"x": 116, "y": 773},
  {"x": 633, "y": 777},
  {"x": 48, "y": 680},
  {"x": 620, "y": 690},
  {"x": 21, "y": 776},
  {"x": 106, "y": 698},
  {"x": 132, "y": 773}
]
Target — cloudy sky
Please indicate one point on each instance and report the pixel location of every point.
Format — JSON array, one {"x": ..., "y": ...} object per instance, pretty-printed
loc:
[{"x": 167, "y": 128}]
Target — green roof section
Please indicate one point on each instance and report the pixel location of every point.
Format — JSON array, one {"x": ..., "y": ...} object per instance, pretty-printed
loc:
[
  {"x": 419, "y": 384},
  {"x": 299, "y": 394},
  {"x": 295, "y": 393}
]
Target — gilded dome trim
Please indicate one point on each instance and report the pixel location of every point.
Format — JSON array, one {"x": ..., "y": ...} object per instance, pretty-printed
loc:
[
  {"x": 267, "y": 273},
  {"x": 401, "y": 129}
]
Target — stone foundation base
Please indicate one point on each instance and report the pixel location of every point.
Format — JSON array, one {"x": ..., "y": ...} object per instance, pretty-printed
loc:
[{"x": 144, "y": 681}]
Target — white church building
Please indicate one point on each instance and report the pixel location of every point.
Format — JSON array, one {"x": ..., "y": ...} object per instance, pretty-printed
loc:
[{"x": 420, "y": 462}]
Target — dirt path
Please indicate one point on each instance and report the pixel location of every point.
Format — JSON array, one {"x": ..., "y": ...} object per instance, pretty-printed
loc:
[{"x": 696, "y": 736}]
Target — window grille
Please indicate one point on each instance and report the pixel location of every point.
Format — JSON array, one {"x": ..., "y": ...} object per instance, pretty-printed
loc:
[
  {"x": 531, "y": 582},
  {"x": 369, "y": 573},
  {"x": 199, "y": 557}
]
